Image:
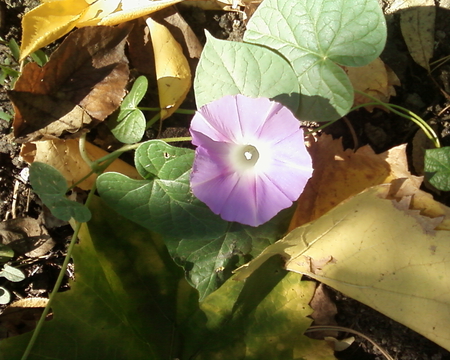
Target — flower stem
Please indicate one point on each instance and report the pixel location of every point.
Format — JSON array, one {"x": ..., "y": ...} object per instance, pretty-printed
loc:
[
  {"x": 59, "y": 280},
  {"x": 405, "y": 113}
]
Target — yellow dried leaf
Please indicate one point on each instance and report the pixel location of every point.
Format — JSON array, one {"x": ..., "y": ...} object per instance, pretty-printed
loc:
[
  {"x": 380, "y": 251},
  {"x": 48, "y": 22},
  {"x": 172, "y": 68},
  {"x": 55, "y": 18},
  {"x": 375, "y": 79},
  {"x": 340, "y": 174},
  {"x": 65, "y": 156}
]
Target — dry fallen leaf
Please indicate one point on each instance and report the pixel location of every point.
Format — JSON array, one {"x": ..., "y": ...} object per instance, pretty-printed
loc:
[
  {"x": 64, "y": 155},
  {"x": 26, "y": 236},
  {"x": 417, "y": 26},
  {"x": 384, "y": 254},
  {"x": 54, "y": 19},
  {"x": 340, "y": 174},
  {"x": 85, "y": 78},
  {"x": 172, "y": 68},
  {"x": 375, "y": 79}
]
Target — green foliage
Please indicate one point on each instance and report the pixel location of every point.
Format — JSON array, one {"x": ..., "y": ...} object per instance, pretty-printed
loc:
[
  {"x": 437, "y": 167},
  {"x": 128, "y": 124},
  {"x": 207, "y": 247},
  {"x": 12, "y": 274},
  {"x": 52, "y": 187},
  {"x": 230, "y": 68},
  {"x": 316, "y": 37},
  {"x": 130, "y": 301}
]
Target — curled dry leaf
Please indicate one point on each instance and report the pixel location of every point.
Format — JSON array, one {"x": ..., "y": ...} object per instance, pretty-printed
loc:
[
  {"x": 172, "y": 68},
  {"x": 340, "y": 174},
  {"x": 84, "y": 80},
  {"x": 375, "y": 79},
  {"x": 65, "y": 156}
]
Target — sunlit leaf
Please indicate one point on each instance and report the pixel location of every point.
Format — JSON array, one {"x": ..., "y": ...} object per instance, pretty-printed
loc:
[
  {"x": 11, "y": 273},
  {"x": 172, "y": 68},
  {"x": 128, "y": 126},
  {"x": 230, "y": 68},
  {"x": 360, "y": 249},
  {"x": 316, "y": 36}
]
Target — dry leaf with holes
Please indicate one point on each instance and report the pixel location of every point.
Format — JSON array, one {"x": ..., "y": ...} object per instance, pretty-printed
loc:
[
  {"x": 375, "y": 79},
  {"x": 417, "y": 26},
  {"x": 406, "y": 250},
  {"x": 340, "y": 174},
  {"x": 84, "y": 79},
  {"x": 64, "y": 155}
]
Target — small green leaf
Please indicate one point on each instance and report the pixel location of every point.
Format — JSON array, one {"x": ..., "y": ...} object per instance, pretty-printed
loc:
[
  {"x": 230, "y": 68},
  {"x": 6, "y": 253},
  {"x": 316, "y": 36},
  {"x": 39, "y": 57},
  {"x": 128, "y": 125},
  {"x": 51, "y": 187},
  {"x": 437, "y": 167},
  {"x": 5, "y": 116},
  {"x": 15, "y": 49},
  {"x": 5, "y": 296},
  {"x": 12, "y": 274}
]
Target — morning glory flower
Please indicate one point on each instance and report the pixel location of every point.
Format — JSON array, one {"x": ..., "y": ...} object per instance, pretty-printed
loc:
[{"x": 250, "y": 161}]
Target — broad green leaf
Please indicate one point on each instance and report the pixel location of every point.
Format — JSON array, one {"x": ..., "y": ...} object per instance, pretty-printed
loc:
[
  {"x": 262, "y": 318},
  {"x": 12, "y": 274},
  {"x": 230, "y": 68},
  {"x": 5, "y": 296},
  {"x": 128, "y": 126},
  {"x": 51, "y": 187},
  {"x": 360, "y": 249},
  {"x": 206, "y": 246},
  {"x": 125, "y": 303},
  {"x": 437, "y": 167},
  {"x": 316, "y": 36},
  {"x": 163, "y": 202}
]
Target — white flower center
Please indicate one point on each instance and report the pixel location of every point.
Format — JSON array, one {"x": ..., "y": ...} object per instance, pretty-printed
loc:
[{"x": 244, "y": 157}]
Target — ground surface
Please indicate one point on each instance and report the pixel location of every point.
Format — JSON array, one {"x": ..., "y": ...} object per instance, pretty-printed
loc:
[{"x": 420, "y": 93}]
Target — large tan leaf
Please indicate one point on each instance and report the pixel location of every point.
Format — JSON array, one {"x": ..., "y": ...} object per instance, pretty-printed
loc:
[
  {"x": 65, "y": 156},
  {"x": 340, "y": 174},
  {"x": 380, "y": 251},
  {"x": 172, "y": 68}
]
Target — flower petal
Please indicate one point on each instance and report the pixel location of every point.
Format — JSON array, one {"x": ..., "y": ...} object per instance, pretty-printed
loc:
[{"x": 226, "y": 175}]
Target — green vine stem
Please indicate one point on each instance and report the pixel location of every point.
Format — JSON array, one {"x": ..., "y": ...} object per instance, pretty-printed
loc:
[
  {"x": 58, "y": 283},
  {"x": 405, "y": 113}
]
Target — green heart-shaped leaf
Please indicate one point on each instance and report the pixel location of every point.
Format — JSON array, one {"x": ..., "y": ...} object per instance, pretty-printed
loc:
[
  {"x": 230, "y": 68},
  {"x": 316, "y": 36}
]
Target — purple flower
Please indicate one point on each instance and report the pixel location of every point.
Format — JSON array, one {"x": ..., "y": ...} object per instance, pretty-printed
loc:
[{"x": 251, "y": 161}]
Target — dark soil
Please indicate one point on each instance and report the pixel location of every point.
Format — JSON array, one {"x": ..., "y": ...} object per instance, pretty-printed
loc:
[{"x": 424, "y": 95}]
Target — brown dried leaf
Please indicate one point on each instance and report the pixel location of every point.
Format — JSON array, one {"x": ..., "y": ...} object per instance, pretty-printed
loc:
[
  {"x": 375, "y": 79},
  {"x": 26, "y": 236},
  {"x": 340, "y": 174},
  {"x": 85, "y": 78}
]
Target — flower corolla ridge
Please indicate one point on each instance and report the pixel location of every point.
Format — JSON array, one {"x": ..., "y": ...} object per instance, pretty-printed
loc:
[{"x": 251, "y": 161}]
